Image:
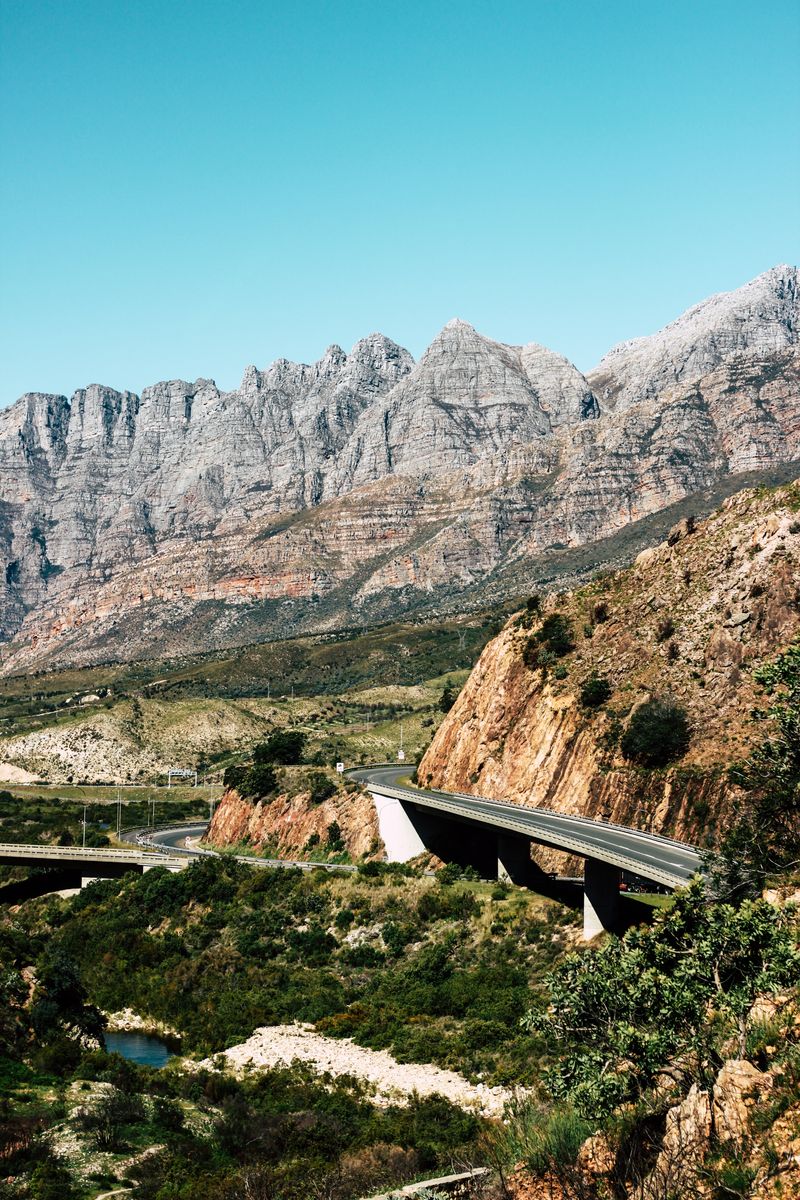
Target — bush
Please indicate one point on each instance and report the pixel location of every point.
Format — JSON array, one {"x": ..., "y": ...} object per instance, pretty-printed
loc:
[
  {"x": 110, "y": 1116},
  {"x": 447, "y": 699},
  {"x": 657, "y": 733},
  {"x": 284, "y": 746},
  {"x": 552, "y": 641},
  {"x": 595, "y": 691},
  {"x": 335, "y": 841},
  {"x": 261, "y": 781},
  {"x": 320, "y": 787},
  {"x": 449, "y": 873}
]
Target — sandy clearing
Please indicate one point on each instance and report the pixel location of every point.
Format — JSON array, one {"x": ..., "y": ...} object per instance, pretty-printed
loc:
[
  {"x": 11, "y": 774},
  {"x": 394, "y": 1082}
]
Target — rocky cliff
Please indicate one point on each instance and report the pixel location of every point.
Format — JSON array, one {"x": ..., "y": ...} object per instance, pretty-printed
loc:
[
  {"x": 283, "y": 825},
  {"x": 190, "y": 519},
  {"x": 690, "y": 620}
]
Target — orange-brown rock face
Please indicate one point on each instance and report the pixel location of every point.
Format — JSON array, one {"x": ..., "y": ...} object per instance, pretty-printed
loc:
[
  {"x": 285, "y": 824},
  {"x": 689, "y": 620}
]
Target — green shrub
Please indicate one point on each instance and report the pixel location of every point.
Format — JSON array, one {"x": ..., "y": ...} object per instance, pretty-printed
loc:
[
  {"x": 551, "y": 641},
  {"x": 657, "y": 733},
  {"x": 595, "y": 692},
  {"x": 335, "y": 841},
  {"x": 284, "y": 746},
  {"x": 320, "y": 787},
  {"x": 260, "y": 781}
]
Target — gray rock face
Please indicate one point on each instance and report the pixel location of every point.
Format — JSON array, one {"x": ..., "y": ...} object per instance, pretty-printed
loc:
[
  {"x": 190, "y": 518},
  {"x": 762, "y": 318}
]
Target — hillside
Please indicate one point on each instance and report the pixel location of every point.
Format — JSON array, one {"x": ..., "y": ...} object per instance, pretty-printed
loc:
[
  {"x": 366, "y": 486},
  {"x": 688, "y": 622}
]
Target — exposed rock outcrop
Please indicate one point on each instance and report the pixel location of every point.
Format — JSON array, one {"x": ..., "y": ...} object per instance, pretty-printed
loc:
[
  {"x": 285, "y": 824},
  {"x": 689, "y": 620},
  {"x": 190, "y": 519}
]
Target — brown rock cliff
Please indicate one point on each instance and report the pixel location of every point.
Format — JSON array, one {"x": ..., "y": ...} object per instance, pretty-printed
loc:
[{"x": 690, "y": 620}]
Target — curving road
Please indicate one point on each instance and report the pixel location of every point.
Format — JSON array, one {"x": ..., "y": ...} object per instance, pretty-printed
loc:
[
  {"x": 660, "y": 859},
  {"x": 175, "y": 839}
]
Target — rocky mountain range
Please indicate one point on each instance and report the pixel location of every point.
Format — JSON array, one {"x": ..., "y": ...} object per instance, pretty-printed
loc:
[{"x": 366, "y": 485}]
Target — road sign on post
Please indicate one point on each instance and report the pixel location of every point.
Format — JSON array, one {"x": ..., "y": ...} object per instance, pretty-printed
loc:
[{"x": 340, "y": 768}]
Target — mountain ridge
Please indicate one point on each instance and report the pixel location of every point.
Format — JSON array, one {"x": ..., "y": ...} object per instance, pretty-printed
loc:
[{"x": 368, "y": 474}]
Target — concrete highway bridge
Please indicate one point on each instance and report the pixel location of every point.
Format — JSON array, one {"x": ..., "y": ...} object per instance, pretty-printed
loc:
[
  {"x": 493, "y": 837},
  {"x": 75, "y": 866}
]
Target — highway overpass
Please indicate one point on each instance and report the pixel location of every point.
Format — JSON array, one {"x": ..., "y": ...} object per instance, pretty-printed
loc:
[
  {"x": 490, "y": 835},
  {"x": 495, "y": 838}
]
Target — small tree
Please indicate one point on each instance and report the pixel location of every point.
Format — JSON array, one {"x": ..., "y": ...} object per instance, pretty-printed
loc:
[
  {"x": 447, "y": 699},
  {"x": 320, "y": 787},
  {"x": 284, "y": 746},
  {"x": 335, "y": 841},
  {"x": 595, "y": 691},
  {"x": 657, "y": 733},
  {"x": 261, "y": 780}
]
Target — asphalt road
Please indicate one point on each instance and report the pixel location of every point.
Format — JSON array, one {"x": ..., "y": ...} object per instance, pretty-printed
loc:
[
  {"x": 175, "y": 840},
  {"x": 660, "y": 859}
]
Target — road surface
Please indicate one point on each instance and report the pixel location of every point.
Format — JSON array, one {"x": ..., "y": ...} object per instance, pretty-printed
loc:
[{"x": 660, "y": 859}]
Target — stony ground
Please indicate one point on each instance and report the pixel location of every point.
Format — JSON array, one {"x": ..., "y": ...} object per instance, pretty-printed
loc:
[{"x": 273, "y": 1045}]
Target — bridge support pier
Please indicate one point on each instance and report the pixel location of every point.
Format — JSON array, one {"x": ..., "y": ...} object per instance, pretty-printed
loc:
[
  {"x": 515, "y": 865},
  {"x": 398, "y": 832},
  {"x": 601, "y": 908}
]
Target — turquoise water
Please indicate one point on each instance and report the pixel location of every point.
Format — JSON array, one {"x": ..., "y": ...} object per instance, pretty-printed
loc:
[{"x": 139, "y": 1048}]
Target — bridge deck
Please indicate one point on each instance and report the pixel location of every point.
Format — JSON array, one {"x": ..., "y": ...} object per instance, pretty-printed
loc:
[{"x": 660, "y": 859}]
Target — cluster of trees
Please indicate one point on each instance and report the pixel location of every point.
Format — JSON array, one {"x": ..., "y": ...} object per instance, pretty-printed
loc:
[
  {"x": 259, "y": 778},
  {"x": 218, "y": 950}
]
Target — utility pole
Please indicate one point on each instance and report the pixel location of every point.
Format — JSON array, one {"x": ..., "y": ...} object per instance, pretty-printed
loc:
[
  {"x": 119, "y": 813},
  {"x": 84, "y": 826}
]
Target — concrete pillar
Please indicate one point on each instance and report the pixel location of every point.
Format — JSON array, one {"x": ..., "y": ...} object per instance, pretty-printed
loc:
[
  {"x": 514, "y": 862},
  {"x": 398, "y": 832},
  {"x": 600, "y": 898}
]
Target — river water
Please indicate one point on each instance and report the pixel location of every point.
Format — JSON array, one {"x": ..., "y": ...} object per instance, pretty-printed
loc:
[{"x": 140, "y": 1048}]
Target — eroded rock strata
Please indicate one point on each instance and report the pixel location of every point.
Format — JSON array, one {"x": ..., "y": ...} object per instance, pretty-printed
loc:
[{"x": 190, "y": 519}]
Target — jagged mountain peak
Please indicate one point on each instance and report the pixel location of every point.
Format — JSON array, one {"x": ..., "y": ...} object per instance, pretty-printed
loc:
[
  {"x": 434, "y": 476},
  {"x": 761, "y": 317}
]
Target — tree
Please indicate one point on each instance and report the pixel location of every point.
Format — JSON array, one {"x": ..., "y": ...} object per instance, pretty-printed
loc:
[
  {"x": 771, "y": 776},
  {"x": 551, "y": 641},
  {"x": 657, "y": 733},
  {"x": 621, "y": 1013},
  {"x": 595, "y": 691},
  {"x": 335, "y": 841},
  {"x": 284, "y": 746},
  {"x": 59, "y": 1001},
  {"x": 261, "y": 780},
  {"x": 320, "y": 787},
  {"x": 447, "y": 699}
]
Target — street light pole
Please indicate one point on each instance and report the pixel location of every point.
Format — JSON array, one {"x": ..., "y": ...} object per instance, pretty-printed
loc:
[{"x": 84, "y": 827}]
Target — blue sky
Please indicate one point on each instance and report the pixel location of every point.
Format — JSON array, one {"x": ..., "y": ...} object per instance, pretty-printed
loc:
[{"x": 189, "y": 186}]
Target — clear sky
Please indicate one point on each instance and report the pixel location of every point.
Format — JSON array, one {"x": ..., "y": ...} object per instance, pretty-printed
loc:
[{"x": 188, "y": 186}]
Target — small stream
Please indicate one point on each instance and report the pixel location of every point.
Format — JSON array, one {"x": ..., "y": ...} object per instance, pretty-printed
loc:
[{"x": 140, "y": 1048}]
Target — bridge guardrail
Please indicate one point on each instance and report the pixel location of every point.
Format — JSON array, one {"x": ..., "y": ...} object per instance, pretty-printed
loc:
[{"x": 567, "y": 841}]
